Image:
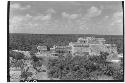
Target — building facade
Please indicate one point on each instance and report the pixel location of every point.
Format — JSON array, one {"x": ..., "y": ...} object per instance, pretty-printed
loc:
[
  {"x": 83, "y": 46},
  {"x": 42, "y": 49},
  {"x": 91, "y": 46}
]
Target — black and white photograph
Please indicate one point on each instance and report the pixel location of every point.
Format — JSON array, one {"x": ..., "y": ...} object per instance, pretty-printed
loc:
[{"x": 65, "y": 41}]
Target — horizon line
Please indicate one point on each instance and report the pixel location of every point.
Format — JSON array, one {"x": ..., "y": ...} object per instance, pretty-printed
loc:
[{"x": 65, "y": 34}]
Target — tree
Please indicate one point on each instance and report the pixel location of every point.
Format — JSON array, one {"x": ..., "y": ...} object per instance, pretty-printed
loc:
[
  {"x": 33, "y": 50},
  {"x": 16, "y": 55},
  {"x": 83, "y": 67},
  {"x": 68, "y": 68},
  {"x": 25, "y": 75},
  {"x": 33, "y": 53},
  {"x": 18, "y": 63}
]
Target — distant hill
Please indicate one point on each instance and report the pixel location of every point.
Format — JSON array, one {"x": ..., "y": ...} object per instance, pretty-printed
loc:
[{"x": 26, "y": 41}]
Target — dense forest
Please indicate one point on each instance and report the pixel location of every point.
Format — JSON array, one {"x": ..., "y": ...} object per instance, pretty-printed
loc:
[
  {"x": 65, "y": 67},
  {"x": 26, "y": 41},
  {"x": 71, "y": 68},
  {"x": 85, "y": 68}
]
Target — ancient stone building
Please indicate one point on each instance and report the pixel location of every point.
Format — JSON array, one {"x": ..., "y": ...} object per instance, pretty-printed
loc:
[
  {"x": 42, "y": 49},
  {"x": 83, "y": 46},
  {"x": 61, "y": 49},
  {"x": 91, "y": 46}
]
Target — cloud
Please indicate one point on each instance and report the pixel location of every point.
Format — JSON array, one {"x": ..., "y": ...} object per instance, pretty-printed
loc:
[
  {"x": 116, "y": 23},
  {"x": 93, "y": 12},
  {"x": 50, "y": 11},
  {"x": 43, "y": 17},
  {"x": 84, "y": 21},
  {"x": 106, "y": 17},
  {"x": 25, "y": 22},
  {"x": 70, "y": 16},
  {"x": 17, "y": 21},
  {"x": 27, "y": 19},
  {"x": 117, "y": 18},
  {"x": 74, "y": 16},
  {"x": 17, "y": 6},
  {"x": 46, "y": 17},
  {"x": 64, "y": 14},
  {"x": 71, "y": 21}
]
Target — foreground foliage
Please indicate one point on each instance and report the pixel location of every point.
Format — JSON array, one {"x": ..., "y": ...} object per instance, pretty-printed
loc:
[
  {"x": 16, "y": 55},
  {"x": 84, "y": 68}
]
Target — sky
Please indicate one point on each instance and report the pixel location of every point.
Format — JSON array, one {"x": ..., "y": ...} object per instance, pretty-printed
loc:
[{"x": 66, "y": 17}]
